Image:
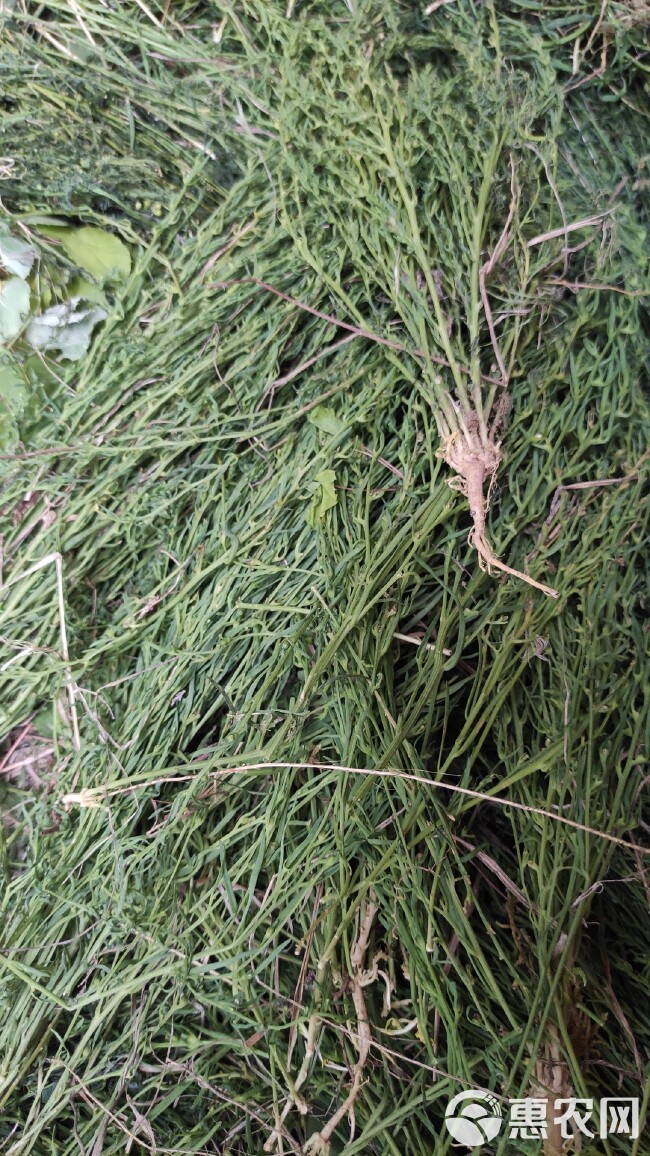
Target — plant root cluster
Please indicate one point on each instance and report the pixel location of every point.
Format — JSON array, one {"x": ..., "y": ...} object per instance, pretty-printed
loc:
[{"x": 475, "y": 461}]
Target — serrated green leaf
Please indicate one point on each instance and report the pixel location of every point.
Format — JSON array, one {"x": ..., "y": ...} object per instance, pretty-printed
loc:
[
  {"x": 325, "y": 419},
  {"x": 324, "y": 496},
  {"x": 14, "y": 307}
]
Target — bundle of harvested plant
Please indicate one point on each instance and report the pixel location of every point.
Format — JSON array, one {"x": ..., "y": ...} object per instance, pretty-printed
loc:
[{"x": 428, "y": 188}]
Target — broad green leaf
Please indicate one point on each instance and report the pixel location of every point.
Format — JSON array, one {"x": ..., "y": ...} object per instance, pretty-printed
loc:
[
  {"x": 323, "y": 496},
  {"x": 82, "y": 287},
  {"x": 325, "y": 419},
  {"x": 14, "y": 306},
  {"x": 66, "y": 328},
  {"x": 16, "y": 256},
  {"x": 100, "y": 253}
]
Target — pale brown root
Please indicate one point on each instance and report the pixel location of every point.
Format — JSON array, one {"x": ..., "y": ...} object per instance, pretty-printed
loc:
[
  {"x": 486, "y": 554},
  {"x": 473, "y": 462}
]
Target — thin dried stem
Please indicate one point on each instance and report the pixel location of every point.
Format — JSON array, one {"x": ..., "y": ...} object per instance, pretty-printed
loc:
[{"x": 319, "y": 1144}]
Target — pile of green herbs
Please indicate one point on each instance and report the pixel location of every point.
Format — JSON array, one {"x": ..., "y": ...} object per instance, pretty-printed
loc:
[{"x": 321, "y": 751}]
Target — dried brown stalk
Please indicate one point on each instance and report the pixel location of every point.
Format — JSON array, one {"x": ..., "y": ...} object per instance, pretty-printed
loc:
[
  {"x": 319, "y": 1144},
  {"x": 552, "y": 1082}
]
